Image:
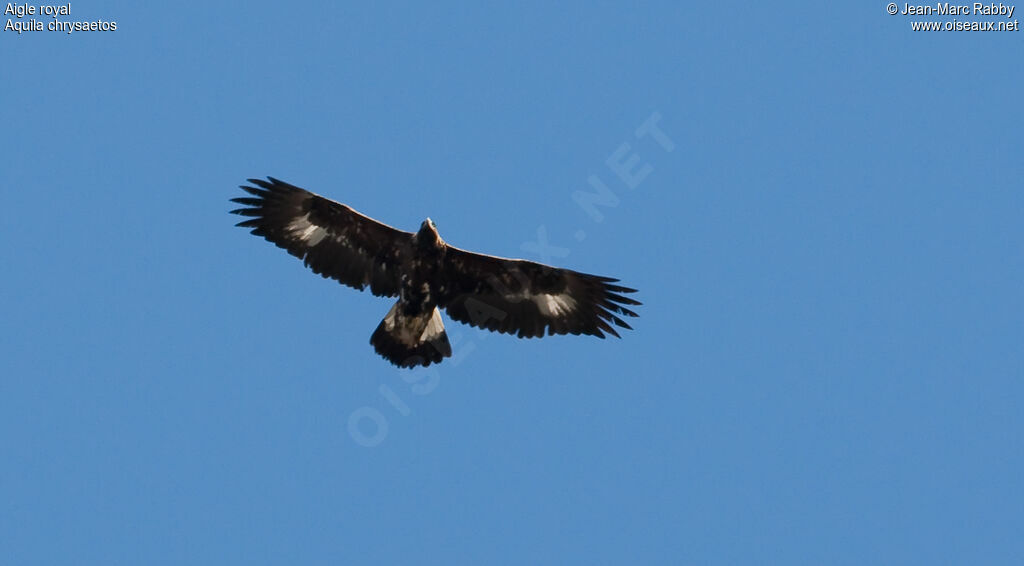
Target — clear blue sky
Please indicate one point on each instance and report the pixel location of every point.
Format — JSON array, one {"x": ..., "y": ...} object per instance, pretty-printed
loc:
[{"x": 827, "y": 368}]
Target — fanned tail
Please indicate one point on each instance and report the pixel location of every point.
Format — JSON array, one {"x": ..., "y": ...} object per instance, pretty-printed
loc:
[{"x": 409, "y": 341}]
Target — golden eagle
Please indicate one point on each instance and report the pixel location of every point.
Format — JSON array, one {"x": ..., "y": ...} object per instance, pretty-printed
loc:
[{"x": 511, "y": 296}]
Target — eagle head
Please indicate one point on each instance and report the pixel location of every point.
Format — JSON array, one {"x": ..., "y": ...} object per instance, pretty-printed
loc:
[{"x": 428, "y": 236}]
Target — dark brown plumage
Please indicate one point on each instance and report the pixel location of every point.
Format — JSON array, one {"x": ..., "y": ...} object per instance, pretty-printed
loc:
[{"x": 511, "y": 296}]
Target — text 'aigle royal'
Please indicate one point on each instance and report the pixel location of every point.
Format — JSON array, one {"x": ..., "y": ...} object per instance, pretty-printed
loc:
[{"x": 55, "y": 23}]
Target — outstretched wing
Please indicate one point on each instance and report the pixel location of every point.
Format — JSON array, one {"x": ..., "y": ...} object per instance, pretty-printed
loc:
[
  {"x": 515, "y": 296},
  {"x": 331, "y": 238}
]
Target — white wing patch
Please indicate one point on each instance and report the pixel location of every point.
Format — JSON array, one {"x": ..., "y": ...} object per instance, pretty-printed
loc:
[
  {"x": 554, "y": 305},
  {"x": 306, "y": 231}
]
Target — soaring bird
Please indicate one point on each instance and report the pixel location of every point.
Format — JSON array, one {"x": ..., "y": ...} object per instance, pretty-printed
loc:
[{"x": 511, "y": 296}]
